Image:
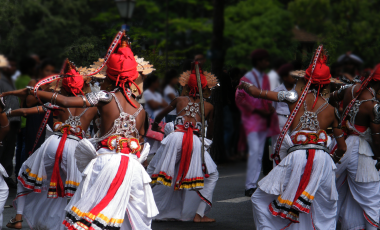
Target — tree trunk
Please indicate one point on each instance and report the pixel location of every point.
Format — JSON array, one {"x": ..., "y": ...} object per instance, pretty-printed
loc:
[{"x": 218, "y": 98}]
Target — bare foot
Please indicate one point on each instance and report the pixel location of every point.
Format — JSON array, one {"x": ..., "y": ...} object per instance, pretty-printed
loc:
[
  {"x": 15, "y": 222},
  {"x": 204, "y": 219}
]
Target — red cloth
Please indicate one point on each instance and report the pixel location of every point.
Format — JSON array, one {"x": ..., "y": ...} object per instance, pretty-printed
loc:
[
  {"x": 74, "y": 83},
  {"x": 376, "y": 74},
  {"x": 187, "y": 149},
  {"x": 259, "y": 54},
  {"x": 114, "y": 187},
  {"x": 321, "y": 75},
  {"x": 193, "y": 84},
  {"x": 306, "y": 175},
  {"x": 122, "y": 68},
  {"x": 56, "y": 183}
]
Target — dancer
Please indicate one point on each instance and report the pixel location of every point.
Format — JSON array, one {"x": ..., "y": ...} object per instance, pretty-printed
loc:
[
  {"x": 50, "y": 175},
  {"x": 4, "y": 128},
  {"x": 301, "y": 189},
  {"x": 115, "y": 185},
  {"x": 358, "y": 180},
  {"x": 189, "y": 195}
]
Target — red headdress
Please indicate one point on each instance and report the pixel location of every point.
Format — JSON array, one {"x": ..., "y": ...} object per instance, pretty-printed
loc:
[
  {"x": 376, "y": 74},
  {"x": 73, "y": 82},
  {"x": 192, "y": 83},
  {"x": 321, "y": 74},
  {"x": 122, "y": 68}
]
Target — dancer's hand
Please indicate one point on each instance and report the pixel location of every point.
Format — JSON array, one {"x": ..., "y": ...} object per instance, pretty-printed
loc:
[
  {"x": 250, "y": 89},
  {"x": 157, "y": 128}
]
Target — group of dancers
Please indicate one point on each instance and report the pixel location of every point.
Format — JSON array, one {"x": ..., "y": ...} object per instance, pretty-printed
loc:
[
  {"x": 321, "y": 179},
  {"x": 75, "y": 182}
]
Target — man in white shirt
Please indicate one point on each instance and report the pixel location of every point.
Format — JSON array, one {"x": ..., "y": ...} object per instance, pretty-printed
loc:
[
  {"x": 274, "y": 77},
  {"x": 282, "y": 109}
]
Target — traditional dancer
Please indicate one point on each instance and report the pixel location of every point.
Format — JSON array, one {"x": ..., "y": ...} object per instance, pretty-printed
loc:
[
  {"x": 358, "y": 180},
  {"x": 301, "y": 189},
  {"x": 4, "y": 128},
  {"x": 50, "y": 175},
  {"x": 189, "y": 195}
]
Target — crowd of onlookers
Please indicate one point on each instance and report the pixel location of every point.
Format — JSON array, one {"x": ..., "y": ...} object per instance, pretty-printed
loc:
[{"x": 23, "y": 130}]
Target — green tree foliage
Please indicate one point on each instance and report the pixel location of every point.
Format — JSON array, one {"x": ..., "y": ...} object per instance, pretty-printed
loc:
[
  {"x": 343, "y": 25},
  {"x": 252, "y": 24}
]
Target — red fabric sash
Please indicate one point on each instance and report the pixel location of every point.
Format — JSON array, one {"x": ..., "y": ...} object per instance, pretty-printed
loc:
[
  {"x": 56, "y": 188},
  {"x": 114, "y": 187},
  {"x": 187, "y": 149},
  {"x": 306, "y": 174}
]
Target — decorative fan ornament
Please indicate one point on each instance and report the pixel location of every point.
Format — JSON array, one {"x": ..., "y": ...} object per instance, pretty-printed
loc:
[
  {"x": 212, "y": 80},
  {"x": 3, "y": 61}
]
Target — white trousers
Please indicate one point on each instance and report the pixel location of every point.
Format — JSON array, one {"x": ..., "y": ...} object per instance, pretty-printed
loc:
[
  {"x": 4, "y": 191},
  {"x": 256, "y": 144}
]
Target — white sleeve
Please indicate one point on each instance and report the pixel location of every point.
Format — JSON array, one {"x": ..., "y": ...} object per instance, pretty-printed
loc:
[
  {"x": 148, "y": 96},
  {"x": 169, "y": 90}
]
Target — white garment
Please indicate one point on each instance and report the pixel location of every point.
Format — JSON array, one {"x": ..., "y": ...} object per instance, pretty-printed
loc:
[
  {"x": 284, "y": 180},
  {"x": 252, "y": 78},
  {"x": 148, "y": 96},
  {"x": 38, "y": 210},
  {"x": 170, "y": 90},
  {"x": 181, "y": 204},
  {"x": 15, "y": 76},
  {"x": 4, "y": 192},
  {"x": 274, "y": 79},
  {"x": 133, "y": 200},
  {"x": 256, "y": 144},
  {"x": 358, "y": 186}
]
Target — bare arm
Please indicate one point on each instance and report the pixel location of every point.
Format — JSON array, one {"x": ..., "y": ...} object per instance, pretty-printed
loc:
[
  {"x": 26, "y": 111},
  {"x": 162, "y": 114},
  {"x": 4, "y": 123},
  {"x": 66, "y": 102},
  {"x": 341, "y": 143}
]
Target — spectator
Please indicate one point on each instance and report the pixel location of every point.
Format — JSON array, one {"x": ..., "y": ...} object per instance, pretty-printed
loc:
[
  {"x": 153, "y": 105},
  {"x": 153, "y": 99},
  {"x": 200, "y": 58},
  {"x": 9, "y": 142},
  {"x": 13, "y": 69},
  {"x": 282, "y": 108},
  {"x": 274, "y": 78},
  {"x": 33, "y": 122},
  {"x": 170, "y": 92},
  {"x": 257, "y": 116},
  {"x": 27, "y": 68}
]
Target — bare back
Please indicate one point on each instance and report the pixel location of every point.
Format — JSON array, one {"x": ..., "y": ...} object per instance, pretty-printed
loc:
[
  {"x": 325, "y": 117},
  {"x": 367, "y": 102},
  {"x": 182, "y": 102},
  {"x": 85, "y": 119},
  {"x": 110, "y": 112}
]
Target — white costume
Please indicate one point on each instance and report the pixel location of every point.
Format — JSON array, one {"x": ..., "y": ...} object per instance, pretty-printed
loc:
[
  {"x": 358, "y": 180},
  {"x": 300, "y": 192},
  {"x": 38, "y": 196},
  {"x": 181, "y": 197},
  {"x": 4, "y": 191},
  {"x": 115, "y": 186}
]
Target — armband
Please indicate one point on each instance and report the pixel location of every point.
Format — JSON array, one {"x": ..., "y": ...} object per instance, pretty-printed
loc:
[
  {"x": 94, "y": 98},
  {"x": 343, "y": 88},
  {"x": 290, "y": 96},
  {"x": 50, "y": 106},
  {"x": 376, "y": 112}
]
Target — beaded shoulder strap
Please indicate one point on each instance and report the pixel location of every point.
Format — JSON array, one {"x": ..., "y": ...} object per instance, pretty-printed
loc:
[{"x": 293, "y": 114}]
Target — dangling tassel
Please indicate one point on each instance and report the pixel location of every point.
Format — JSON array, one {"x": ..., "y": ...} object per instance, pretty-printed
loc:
[{"x": 316, "y": 98}]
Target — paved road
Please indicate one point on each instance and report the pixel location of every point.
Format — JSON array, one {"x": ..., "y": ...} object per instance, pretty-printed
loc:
[{"x": 230, "y": 208}]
